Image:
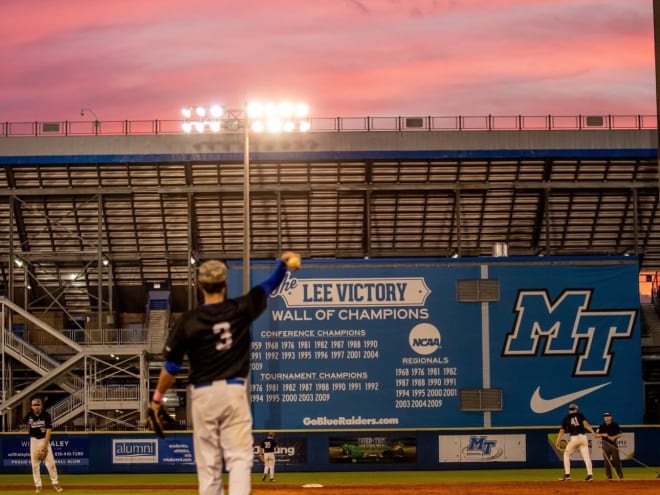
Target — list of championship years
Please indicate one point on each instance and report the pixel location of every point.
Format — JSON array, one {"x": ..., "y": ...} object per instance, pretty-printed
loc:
[{"x": 416, "y": 382}]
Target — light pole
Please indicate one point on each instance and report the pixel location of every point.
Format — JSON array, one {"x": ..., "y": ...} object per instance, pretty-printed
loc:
[
  {"x": 246, "y": 206},
  {"x": 256, "y": 117},
  {"x": 96, "y": 119}
]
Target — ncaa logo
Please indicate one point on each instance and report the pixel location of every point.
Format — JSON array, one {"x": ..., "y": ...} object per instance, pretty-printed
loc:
[{"x": 424, "y": 339}]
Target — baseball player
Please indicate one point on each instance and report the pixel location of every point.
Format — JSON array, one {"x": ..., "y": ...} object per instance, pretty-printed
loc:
[
  {"x": 268, "y": 446},
  {"x": 610, "y": 432},
  {"x": 40, "y": 427},
  {"x": 576, "y": 425},
  {"x": 216, "y": 338}
]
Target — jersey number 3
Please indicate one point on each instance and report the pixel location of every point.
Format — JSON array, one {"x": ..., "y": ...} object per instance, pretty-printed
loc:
[{"x": 223, "y": 331}]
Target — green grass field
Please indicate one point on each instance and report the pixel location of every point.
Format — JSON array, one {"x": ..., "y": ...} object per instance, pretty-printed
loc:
[{"x": 185, "y": 484}]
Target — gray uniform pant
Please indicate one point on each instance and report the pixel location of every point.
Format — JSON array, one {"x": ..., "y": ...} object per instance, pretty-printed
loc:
[
  {"x": 269, "y": 464},
  {"x": 36, "y": 444},
  {"x": 577, "y": 442},
  {"x": 222, "y": 431},
  {"x": 612, "y": 460}
]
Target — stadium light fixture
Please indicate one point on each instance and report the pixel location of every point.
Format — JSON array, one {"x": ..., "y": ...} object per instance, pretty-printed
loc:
[{"x": 284, "y": 116}]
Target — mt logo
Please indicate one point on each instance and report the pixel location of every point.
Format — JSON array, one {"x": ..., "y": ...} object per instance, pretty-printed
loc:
[{"x": 562, "y": 324}]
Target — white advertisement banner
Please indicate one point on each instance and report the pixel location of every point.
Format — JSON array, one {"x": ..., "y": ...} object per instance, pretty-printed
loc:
[
  {"x": 626, "y": 446},
  {"x": 482, "y": 448},
  {"x": 134, "y": 451}
]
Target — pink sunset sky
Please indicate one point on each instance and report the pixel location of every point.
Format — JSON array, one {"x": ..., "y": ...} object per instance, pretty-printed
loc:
[{"x": 145, "y": 59}]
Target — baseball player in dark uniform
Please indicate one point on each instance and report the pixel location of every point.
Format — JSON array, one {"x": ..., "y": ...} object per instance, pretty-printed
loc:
[
  {"x": 610, "y": 432},
  {"x": 216, "y": 338},
  {"x": 576, "y": 425},
  {"x": 40, "y": 426},
  {"x": 268, "y": 446}
]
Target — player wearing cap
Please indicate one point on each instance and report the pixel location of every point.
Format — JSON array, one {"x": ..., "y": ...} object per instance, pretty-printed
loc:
[
  {"x": 576, "y": 425},
  {"x": 268, "y": 446},
  {"x": 40, "y": 426},
  {"x": 610, "y": 432},
  {"x": 216, "y": 338}
]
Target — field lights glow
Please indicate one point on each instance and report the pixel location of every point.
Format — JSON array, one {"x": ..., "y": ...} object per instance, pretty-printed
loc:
[{"x": 284, "y": 116}]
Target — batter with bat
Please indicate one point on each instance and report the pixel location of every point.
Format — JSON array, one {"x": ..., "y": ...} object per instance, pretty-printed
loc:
[
  {"x": 216, "y": 338},
  {"x": 40, "y": 426}
]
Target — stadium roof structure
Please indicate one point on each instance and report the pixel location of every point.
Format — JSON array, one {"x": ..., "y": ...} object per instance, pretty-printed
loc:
[{"x": 81, "y": 213}]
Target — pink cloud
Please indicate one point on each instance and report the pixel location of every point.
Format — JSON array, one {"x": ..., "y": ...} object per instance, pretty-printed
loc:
[{"x": 134, "y": 60}]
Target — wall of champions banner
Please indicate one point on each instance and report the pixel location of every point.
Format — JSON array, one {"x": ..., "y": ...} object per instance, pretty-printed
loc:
[{"x": 389, "y": 344}]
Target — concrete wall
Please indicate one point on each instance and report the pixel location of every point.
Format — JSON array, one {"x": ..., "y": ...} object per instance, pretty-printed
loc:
[{"x": 323, "y": 145}]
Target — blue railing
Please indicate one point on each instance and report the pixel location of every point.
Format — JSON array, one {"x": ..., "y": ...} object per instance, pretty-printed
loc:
[{"x": 347, "y": 124}]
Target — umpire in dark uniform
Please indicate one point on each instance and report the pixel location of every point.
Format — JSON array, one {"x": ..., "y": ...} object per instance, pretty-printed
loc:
[{"x": 610, "y": 432}]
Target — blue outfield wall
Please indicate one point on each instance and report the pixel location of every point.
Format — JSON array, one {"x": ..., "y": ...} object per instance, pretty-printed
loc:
[
  {"x": 392, "y": 344},
  {"x": 80, "y": 453}
]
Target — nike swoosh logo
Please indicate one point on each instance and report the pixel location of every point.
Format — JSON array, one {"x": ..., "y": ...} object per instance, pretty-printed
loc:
[{"x": 540, "y": 405}]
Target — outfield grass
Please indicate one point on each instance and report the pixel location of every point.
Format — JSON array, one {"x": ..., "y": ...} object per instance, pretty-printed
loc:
[{"x": 14, "y": 484}]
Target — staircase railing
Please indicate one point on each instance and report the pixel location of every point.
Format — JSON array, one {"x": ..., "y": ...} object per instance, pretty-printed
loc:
[
  {"x": 41, "y": 360},
  {"x": 67, "y": 406}
]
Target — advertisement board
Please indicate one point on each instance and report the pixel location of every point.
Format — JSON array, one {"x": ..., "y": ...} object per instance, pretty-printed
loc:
[
  {"x": 290, "y": 451},
  {"x": 482, "y": 448},
  {"x": 68, "y": 451},
  {"x": 375, "y": 448},
  {"x": 171, "y": 450},
  {"x": 626, "y": 445}
]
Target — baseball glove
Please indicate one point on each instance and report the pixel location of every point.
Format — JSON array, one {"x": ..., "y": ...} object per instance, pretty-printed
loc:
[
  {"x": 158, "y": 419},
  {"x": 41, "y": 454}
]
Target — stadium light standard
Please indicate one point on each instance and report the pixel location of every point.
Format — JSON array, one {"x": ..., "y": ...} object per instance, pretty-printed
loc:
[
  {"x": 256, "y": 117},
  {"x": 83, "y": 111}
]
